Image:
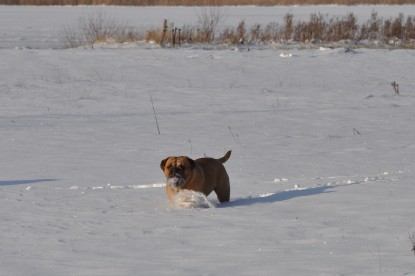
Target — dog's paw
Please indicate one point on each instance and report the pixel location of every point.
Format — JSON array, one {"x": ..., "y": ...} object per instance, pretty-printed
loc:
[{"x": 188, "y": 199}]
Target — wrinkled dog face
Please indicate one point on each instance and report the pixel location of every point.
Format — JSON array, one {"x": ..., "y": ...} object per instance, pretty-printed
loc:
[{"x": 177, "y": 170}]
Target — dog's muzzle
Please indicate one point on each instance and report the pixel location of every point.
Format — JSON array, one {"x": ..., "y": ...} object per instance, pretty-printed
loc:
[
  {"x": 175, "y": 178},
  {"x": 176, "y": 182}
]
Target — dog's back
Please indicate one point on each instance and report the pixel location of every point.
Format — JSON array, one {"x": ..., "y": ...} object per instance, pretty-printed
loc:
[
  {"x": 222, "y": 160},
  {"x": 215, "y": 176}
]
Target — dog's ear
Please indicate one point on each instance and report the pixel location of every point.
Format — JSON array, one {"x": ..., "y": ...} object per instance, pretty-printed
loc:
[
  {"x": 163, "y": 164},
  {"x": 192, "y": 163}
]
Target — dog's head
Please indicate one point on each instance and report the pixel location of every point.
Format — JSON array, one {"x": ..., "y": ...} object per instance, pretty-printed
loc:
[{"x": 177, "y": 170}]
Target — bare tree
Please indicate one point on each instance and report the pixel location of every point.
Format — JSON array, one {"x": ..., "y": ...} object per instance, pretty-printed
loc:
[{"x": 208, "y": 23}]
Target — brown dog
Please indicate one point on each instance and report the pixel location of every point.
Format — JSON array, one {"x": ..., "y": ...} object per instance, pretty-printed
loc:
[{"x": 201, "y": 175}]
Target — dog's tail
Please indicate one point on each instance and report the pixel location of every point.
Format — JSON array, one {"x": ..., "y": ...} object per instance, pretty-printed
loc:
[{"x": 225, "y": 157}]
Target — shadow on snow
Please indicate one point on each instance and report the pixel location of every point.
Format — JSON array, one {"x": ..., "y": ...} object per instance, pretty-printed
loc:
[
  {"x": 280, "y": 196},
  {"x": 22, "y": 182}
]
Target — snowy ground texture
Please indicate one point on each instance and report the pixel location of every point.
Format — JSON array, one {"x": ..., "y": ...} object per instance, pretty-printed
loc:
[{"x": 322, "y": 167}]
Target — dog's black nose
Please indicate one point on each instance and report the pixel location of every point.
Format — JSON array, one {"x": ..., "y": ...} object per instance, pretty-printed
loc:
[{"x": 175, "y": 171}]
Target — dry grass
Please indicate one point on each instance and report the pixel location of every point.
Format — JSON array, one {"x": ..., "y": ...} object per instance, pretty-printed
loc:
[
  {"x": 318, "y": 29},
  {"x": 94, "y": 28},
  {"x": 200, "y": 2},
  {"x": 209, "y": 21}
]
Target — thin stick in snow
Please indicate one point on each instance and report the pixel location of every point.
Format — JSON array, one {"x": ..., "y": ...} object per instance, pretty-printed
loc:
[
  {"x": 395, "y": 87},
  {"x": 379, "y": 260},
  {"x": 380, "y": 263},
  {"x": 412, "y": 238},
  {"x": 155, "y": 115},
  {"x": 355, "y": 131},
  {"x": 235, "y": 137},
  {"x": 191, "y": 146}
]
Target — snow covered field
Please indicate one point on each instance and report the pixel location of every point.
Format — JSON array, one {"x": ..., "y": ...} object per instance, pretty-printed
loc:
[{"x": 322, "y": 166}]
